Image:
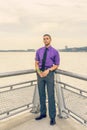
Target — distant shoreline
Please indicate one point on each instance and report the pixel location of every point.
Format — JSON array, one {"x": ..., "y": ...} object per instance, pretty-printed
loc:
[
  {"x": 16, "y": 51},
  {"x": 29, "y": 50},
  {"x": 34, "y": 51},
  {"x": 66, "y": 49},
  {"x": 74, "y": 49}
]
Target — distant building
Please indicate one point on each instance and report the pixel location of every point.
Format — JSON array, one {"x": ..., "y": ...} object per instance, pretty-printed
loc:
[
  {"x": 74, "y": 49},
  {"x": 66, "y": 47}
]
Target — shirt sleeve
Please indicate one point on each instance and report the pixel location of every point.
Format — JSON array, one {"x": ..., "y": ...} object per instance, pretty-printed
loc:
[
  {"x": 57, "y": 58},
  {"x": 37, "y": 56}
]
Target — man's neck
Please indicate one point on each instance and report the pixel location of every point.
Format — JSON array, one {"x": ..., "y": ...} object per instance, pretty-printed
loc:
[{"x": 48, "y": 46}]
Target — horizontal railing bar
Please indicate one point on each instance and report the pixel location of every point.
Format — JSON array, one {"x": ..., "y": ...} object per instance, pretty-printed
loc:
[
  {"x": 74, "y": 75},
  {"x": 15, "y": 73},
  {"x": 75, "y": 114},
  {"x": 15, "y": 109},
  {"x": 72, "y": 87},
  {"x": 7, "y": 116},
  {"x": 74, "y": 92},
  {"x": 17, "y": 88},
  {"x": 11, "y": 85}
]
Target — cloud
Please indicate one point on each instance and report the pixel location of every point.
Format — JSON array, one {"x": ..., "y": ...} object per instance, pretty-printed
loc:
[{"x": 64, "y": 19}]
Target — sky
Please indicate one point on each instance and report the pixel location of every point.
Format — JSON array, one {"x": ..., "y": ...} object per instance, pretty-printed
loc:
[{"x": 24, "y": 22}]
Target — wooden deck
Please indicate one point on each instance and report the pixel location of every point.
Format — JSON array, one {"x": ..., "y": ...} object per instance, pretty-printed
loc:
[{"x": 26, "y": 121}]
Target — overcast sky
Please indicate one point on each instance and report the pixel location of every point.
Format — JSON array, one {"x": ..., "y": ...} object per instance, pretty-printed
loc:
[{"x": 23, "y": 23}]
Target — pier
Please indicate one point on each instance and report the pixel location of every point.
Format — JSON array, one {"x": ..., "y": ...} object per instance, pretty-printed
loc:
[{"x": 19, "y": 103}]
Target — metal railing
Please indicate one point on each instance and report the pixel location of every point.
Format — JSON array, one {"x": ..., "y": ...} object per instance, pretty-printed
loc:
[
  {"x": 18, "y": 97},
  {"x": 72, "y": 100},
  {"x": 14, "y": 98}
]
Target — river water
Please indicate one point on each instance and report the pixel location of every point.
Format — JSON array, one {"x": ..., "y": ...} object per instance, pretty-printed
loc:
[{"x": 14, "y": 61}]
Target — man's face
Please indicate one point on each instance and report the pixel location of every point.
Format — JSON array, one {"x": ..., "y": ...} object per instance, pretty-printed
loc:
[{"x": 46, "y": 40}]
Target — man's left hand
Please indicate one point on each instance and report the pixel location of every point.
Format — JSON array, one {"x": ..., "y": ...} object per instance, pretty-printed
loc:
[{"x": 45, "y": 73}]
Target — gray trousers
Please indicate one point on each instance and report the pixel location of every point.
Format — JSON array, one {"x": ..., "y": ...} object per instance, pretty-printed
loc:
[{"x": 42, "y": 83}]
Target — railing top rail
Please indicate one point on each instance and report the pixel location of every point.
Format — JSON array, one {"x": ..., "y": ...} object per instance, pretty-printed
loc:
[
  {"x": 30, "y": 71},
  {"x": 71, "y": 74},
  {"x": 14, "y": 73}
]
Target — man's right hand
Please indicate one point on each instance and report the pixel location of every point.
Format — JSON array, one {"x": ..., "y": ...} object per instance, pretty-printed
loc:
[{"x": 40, "y": 74}]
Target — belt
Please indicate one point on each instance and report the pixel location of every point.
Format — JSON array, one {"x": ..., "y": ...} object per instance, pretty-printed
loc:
[{"x": 45, "y": 68}]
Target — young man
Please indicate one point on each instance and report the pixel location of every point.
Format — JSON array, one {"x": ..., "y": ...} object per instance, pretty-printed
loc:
[{"x": 46, "y": 62}]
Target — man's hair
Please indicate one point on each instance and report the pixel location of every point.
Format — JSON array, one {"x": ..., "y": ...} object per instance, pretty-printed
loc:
[{"x": 47, "y": 35}]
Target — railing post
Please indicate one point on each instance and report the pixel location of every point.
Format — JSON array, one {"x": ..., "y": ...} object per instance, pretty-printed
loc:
[
  {"x": 60, "y": 99},
  {"x": 36, "y": 102}
]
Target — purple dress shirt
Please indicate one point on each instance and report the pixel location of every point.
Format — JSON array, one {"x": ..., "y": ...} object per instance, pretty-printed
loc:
[{"x": 53, "y": 57}]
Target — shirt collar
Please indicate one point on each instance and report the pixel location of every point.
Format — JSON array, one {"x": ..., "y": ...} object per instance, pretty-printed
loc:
[{"x": 48, "y": 47}]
